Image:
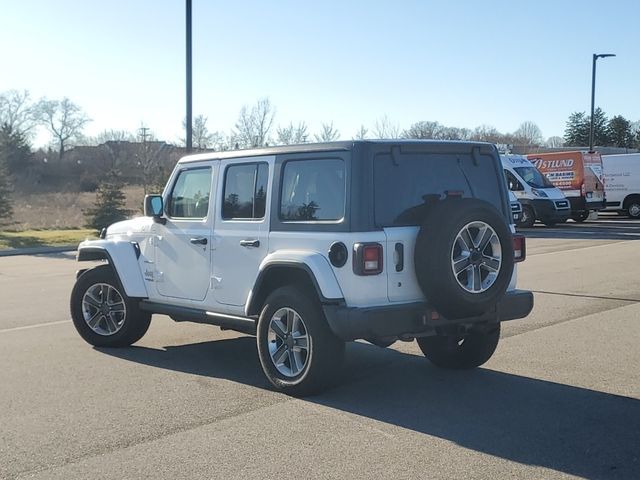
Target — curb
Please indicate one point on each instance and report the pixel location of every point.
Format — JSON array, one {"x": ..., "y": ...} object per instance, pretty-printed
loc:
[{"x": 37, "y": 250}]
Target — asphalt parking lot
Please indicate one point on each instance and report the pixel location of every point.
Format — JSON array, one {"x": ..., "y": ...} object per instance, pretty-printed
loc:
[{"x": 559, "y": 399}]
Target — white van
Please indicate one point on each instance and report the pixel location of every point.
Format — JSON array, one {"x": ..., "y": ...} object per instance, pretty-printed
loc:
[
  {"x": 622, "y": 183},
  {"x": 539, "y": 198}
]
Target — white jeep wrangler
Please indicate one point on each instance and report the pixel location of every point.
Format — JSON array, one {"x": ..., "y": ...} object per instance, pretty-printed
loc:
[{"x": 310, "y": 246}]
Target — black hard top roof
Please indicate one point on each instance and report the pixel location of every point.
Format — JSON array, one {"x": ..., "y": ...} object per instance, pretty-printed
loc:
[{"x": 330, "y": 147}]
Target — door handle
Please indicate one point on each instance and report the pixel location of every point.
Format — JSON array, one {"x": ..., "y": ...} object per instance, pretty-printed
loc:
[
  {"x": 199, "y": 241},
  {"x": 250, "y": 243}
]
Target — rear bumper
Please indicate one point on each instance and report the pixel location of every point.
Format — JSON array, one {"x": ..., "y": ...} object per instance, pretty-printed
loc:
[
  {"x": 580, "y": 204},
  {"x": 414, "y": 319}
]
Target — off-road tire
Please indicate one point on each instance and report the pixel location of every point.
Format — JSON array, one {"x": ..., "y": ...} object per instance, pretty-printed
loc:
[
  {"x": 325, "y": 353},
  {"x": 434, "y": 251},
  {"x": 447, "y": 352},
  {"x": 136, "y": 322}
]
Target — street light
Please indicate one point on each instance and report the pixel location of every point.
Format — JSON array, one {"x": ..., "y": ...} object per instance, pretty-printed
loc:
[
  {"x": 596, "y": 56},
  {"x": 188, "y": 124}
]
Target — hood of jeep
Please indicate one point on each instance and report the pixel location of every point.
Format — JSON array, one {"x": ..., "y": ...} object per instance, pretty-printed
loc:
[{"x": 131, "y": 227}]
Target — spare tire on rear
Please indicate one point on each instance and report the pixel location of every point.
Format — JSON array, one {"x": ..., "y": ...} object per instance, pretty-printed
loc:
[{"x": 464, "y": 257}]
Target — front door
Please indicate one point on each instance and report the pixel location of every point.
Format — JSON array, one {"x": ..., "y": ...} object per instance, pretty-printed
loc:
[{"x": 183, "y": 244}]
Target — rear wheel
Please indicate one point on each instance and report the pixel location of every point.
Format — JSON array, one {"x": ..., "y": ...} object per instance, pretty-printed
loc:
[
  {"x": 461, "y": 352},
  {"x": 528, "y": 217},
  {"x": 633, "y": 209},
  {"x": 102, "y": 313},
  {"x": 580, "y": 216},
  {"x": 298, "y": 352}
]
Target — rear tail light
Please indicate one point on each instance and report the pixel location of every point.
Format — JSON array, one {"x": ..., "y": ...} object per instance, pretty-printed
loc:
[
  {"x": 583, "y": 190},
  {"x": 367, "y": 258},
  {"x": 519, "y": 248}
]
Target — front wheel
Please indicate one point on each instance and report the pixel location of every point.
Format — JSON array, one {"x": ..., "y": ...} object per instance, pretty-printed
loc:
[
  {"x": 528, "y": 217},
  {"x": 461, "y": 352},
  {"x": 298, "y": 352},
  {"x": 102, "y": 313}
]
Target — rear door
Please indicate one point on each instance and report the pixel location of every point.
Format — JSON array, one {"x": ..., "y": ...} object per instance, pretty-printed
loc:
[{"x": 241, "y": 235}]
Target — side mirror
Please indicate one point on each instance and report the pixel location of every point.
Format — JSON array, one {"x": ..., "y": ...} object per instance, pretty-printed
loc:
[{"x": 153, "y": 206}]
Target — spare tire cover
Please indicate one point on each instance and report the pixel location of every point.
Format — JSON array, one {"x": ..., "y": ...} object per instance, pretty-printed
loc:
[{"x": 464, "y": 257}]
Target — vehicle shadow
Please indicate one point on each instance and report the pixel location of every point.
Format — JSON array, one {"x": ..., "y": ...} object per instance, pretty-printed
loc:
[
  {"x": 616, "y": 229},
  {"x": 569, "y": 429}
]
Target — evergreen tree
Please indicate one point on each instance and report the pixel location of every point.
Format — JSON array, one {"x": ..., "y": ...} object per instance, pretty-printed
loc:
[
  {"x": 6, "y": 204},
  {"x": 600, "y": 130},
  {"x": 620, "y": 133},
  {"x": 15, "y": 151},
  {"x": 109, "y": 208},
  {"x": 576, "y": 133}
]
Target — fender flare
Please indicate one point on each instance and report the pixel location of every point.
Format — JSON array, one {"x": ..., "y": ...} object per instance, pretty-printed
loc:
[
  {"x": 123, "y": 257},
  {"x": 316, "y": 266}
]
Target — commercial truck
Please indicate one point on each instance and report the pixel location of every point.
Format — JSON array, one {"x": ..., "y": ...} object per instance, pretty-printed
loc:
[
  {"x": 580, "y": 177},
  {"x": 622, "y": 183},
  {"x": 540, "y": 199}
]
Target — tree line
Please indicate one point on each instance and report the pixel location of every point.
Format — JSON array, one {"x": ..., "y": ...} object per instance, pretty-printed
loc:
[{"x": 255, "y": 126}]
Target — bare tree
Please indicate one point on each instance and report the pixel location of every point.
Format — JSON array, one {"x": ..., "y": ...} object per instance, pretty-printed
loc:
[
  {"x": 455, "y": 133},
  {"x": 18, "y": 111},
  {"x": 423, "y": 130},
  {"x": 361, "y": 134},
  {"x": 528, "y": 133},
  {"x": 254, "y": 125},
  {"x": 555, "y": 142},
  {"x": 293, "y": 134},
  {"x": 487, "y": 133},
  {"x": 201, "y": 138},
  {"x": 385, "y": 128},
  {"x": 327, "y": 133},
  {"x": 64, "y": 119}
]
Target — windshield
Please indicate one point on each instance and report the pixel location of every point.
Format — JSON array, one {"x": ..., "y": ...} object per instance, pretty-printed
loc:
[{"x": 533, "y": 177}]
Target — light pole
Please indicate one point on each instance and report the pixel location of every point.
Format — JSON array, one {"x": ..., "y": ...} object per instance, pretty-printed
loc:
[
  {"x": 596, "y": 56},
  {"x": 188, "y": 121}
]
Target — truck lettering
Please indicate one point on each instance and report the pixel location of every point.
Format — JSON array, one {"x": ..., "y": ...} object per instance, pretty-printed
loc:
[{"x": 551, "y": 164}]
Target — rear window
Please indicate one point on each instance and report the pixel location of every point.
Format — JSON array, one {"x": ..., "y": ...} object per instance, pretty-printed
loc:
[{"x": 406, "y": 184}]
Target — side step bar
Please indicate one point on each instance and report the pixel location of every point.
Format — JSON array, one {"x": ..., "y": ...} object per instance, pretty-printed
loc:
[{"x": 185, "y": 314}]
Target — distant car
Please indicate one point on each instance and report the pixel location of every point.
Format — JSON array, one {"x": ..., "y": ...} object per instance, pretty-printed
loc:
[{"x": 310, "y": 246}]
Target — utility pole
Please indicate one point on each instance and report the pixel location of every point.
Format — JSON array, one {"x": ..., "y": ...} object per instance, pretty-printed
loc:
[
  {"x": 143, "y": 133},
  {"x": 189, "y": 122}
]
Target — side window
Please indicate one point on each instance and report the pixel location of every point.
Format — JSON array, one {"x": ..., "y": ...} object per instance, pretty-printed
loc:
[
  {"x": 313, "y": 190},
  {"x": 245, "y": 191},
  {"x": 512, "y": 182},
  {"x": 190, "y": 194}
]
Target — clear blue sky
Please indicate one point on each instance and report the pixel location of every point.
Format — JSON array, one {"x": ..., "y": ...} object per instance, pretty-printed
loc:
[{"x": 461, "y": 63}]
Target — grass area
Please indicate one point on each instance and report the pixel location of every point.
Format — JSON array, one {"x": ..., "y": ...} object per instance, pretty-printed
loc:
[{"x": 44, "y": 238}]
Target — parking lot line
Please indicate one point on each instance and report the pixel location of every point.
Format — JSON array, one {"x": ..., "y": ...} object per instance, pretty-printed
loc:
[{"x": 37, "y": 325}]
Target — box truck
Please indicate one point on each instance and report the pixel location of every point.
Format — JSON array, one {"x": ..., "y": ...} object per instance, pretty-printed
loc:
[
  {"x": 540, "y": 199},
  {"x": 622, "y": 183},
  {"x": 578, "y": 175}
]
